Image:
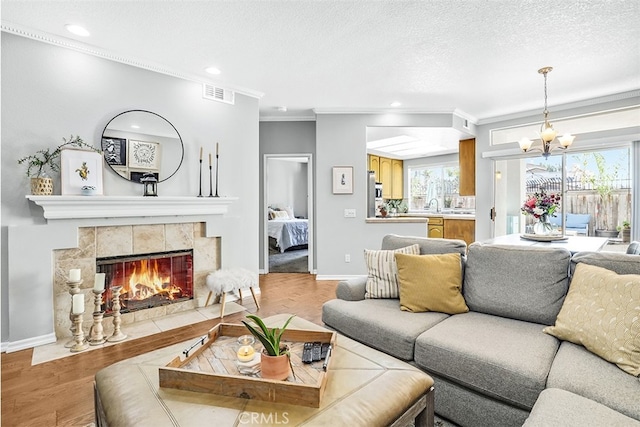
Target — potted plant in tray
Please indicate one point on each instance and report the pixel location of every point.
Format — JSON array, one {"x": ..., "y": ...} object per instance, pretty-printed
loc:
[
  {"x": 625, "y": 231},
  {"x": 274, "y": 360},
  {"x": 43, "y": 162}
]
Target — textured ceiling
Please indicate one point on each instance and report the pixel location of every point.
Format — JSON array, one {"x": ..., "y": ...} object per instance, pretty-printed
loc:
[{"x": 479, "y": 57}]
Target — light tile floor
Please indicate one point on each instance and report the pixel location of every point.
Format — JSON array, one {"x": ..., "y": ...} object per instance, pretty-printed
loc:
[{"x": 57, "y": 350}]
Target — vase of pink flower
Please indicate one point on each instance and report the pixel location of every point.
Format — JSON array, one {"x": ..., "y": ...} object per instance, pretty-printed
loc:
[{"x": 542, "y": 207}]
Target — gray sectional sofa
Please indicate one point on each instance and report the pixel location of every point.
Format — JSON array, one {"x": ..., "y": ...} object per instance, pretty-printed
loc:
[{"x": 493, "y": 366}]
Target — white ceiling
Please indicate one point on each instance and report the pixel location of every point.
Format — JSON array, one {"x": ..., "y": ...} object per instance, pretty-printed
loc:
[{"x": 478, "y": 58}]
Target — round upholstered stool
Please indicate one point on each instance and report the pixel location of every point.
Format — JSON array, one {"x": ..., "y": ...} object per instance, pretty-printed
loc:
[{"x": 229, "y": 280}]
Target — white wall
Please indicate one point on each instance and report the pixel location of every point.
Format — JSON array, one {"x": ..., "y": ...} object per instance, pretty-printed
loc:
[{"x": 50, "y": 92}]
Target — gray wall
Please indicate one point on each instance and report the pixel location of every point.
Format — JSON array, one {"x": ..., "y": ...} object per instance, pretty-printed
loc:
[
  {"x": 284, "y": 138},
  {"x": 50, "y": 92},
  {"x": 341, "y": 141}
]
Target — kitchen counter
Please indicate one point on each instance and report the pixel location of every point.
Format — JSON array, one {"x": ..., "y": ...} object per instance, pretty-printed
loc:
[
  {"x": 398, "y": 219},
  {"x": 447, "y": 215}
]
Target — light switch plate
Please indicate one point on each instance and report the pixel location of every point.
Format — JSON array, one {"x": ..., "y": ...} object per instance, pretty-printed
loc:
[{"x": 349, "y": 213}]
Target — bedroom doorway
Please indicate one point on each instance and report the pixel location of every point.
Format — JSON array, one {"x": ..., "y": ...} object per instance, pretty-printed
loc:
[{"x": 288, "y": 219}]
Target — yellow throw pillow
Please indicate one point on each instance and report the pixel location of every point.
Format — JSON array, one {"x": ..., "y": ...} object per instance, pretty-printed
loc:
[
  {"x": 602, "y": 313},
  {"x": 382, "y": 280},
  {"x": 431, "y": 283}
]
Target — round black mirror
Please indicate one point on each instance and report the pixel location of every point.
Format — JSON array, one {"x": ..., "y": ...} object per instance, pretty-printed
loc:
[{"x": 139, "y": 142}]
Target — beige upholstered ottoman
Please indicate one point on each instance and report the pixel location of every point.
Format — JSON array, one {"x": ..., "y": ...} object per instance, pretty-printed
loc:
[{"x": 364, "y": 388}]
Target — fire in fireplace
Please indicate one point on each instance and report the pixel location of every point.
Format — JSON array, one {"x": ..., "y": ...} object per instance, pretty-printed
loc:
[{"x": 147, "y": 280}]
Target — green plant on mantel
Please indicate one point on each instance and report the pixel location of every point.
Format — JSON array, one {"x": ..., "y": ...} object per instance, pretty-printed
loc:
[{"x": 43, "y": 160}]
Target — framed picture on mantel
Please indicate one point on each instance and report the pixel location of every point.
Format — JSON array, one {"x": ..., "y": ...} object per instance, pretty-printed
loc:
[
  {"x": 343, "y": 180},
  {"x": 79, "y": 168}
]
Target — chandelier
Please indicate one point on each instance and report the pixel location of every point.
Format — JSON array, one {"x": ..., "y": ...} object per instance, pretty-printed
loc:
[{"x": 547, "y": 132}]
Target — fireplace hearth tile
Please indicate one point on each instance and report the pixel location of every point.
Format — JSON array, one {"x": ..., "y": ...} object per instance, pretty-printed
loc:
[{"x": 46, "y": 353}]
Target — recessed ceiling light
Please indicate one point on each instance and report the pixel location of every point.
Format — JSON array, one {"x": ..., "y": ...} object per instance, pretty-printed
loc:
[
  {"x": 77, "y": 30},
  {"x": 396, "y": 104},
  {"x": 282, "y": 109},
  {"x": 135, "y": 126},
  {"x": 213, "y": 70}
]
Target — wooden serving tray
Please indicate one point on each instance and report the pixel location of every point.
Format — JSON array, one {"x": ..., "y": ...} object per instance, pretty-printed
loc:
[{"x": 211, "y": 368}]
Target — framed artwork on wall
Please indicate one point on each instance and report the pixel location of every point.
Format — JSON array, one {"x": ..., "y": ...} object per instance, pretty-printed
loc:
[
  {"x": 144, "y": 155},
  {"x": 80, "y": 168},
  {"x": 343, "y": 180},
  {"x": 115, "y": 151}
]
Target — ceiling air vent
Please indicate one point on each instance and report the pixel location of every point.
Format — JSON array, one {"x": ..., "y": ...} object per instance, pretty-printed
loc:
[{"x": 218, "y": 94}]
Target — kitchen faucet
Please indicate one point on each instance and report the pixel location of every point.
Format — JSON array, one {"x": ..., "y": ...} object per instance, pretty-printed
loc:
[{"x": 437, "y": 207}]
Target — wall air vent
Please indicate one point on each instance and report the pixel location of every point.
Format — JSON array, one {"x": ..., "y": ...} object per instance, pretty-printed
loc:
[{"x": 218, "y": 94}]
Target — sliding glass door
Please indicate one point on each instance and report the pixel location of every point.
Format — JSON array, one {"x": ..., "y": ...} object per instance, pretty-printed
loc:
[{"x": 598, "y": 189}]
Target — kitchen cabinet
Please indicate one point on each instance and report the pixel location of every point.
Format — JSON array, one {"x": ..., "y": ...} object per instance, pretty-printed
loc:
[
  {"x": 386, "y": 177},
  {"x": 467, "y": 162},
  {"x": 435, "y": 228},
  {"x": 462, "y": 229},
  {"x": 390, "y": 172},
  {"x": 374, "y": 165},
  {"x": 397, "y": 179}
]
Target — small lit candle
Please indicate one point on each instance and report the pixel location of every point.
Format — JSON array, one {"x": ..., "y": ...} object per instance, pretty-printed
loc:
[
  {"x": 217, "y": 148},
  {"x": 77, "y": 306},
  {"x": 200, "y": 153},
  {"x": 74, "y": 275},
  {"x": 246, "y": 353},
  {"x": 98, "y": 285}
]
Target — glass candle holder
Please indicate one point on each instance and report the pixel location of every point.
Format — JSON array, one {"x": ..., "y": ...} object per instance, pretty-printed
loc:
[{"x": 246, "y": 352}]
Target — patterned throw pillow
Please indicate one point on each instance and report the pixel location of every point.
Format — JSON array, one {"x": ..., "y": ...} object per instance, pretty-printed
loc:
[
  {"x": 431, "y": 283},
  {"x": 602, "y": 313},
  {"x": 382, "y": 280}
]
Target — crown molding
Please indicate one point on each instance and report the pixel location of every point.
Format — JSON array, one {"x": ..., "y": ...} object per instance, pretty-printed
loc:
[
  {"x": 557, "y": 108},
  {"x": 66, "y": 43},
  {"x": 288, "y": 118}
]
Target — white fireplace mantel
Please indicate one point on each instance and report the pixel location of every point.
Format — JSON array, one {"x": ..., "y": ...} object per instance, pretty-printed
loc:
[{"x": 82, "y": 207}]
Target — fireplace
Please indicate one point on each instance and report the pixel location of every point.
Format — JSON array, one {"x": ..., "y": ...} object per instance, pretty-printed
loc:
[{"x": 147, "y": 280}]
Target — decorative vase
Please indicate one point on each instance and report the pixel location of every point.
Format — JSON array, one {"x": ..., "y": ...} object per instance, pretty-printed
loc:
[
  {"x": 543, "y": 226},
  {"x": 625, "y": 235},
  {"x": 42, "y": 185},
  {"x": 275, "y": 367}
]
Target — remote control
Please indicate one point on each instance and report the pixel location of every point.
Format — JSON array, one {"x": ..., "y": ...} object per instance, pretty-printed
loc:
[
  {"x": 307, "y": 353},
  {"x": 317, "y": 351},
  {"x": 325, "y": 347}
]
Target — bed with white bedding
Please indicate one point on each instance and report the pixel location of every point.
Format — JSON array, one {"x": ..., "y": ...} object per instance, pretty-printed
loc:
[{"x": 288, "y": 232}]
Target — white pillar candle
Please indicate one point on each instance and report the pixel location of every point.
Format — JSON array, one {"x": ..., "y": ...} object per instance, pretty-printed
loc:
[
  {"x": 78, "y": 304},
  {"x": 98, "y": 285},
  {"x": 74, "y": 275}
]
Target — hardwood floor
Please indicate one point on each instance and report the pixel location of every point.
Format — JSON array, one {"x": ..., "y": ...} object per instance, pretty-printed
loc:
[{"x": 60, "y": 392}]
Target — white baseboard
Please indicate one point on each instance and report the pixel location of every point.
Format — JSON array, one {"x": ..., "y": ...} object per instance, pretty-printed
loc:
[
  {"x": 30, "y": 342},
  {"x": 3, "y": 346}
]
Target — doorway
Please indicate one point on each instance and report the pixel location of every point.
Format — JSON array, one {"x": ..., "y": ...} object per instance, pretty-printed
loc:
[{"x": 288, "y": 219}]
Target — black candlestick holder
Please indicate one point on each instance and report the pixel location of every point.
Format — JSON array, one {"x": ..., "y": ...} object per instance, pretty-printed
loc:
[
  {"x": 210, "y": 180},
  {"x": 216, "y": 177},
  {"x": 200, "y": 180}
]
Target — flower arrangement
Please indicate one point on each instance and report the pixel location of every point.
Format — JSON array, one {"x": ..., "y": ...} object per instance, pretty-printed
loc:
[{"x": 541, "y": 204}]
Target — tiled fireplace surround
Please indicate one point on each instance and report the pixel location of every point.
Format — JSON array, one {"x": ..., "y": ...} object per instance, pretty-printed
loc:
[
  {"x": 71, "y": 231},
  {"x": 98, "y": 242}
]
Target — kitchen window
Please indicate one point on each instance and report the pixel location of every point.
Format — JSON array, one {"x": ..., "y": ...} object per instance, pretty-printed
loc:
[{"x": 437, "y": 183}]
